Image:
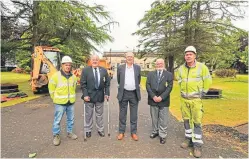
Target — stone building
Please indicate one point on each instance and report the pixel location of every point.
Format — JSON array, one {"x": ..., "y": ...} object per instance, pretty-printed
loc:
[{"x": 117, "y": 58}]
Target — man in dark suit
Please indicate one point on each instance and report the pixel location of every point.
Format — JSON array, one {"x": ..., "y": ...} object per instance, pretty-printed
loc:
[
  {"x": 129, "y": 77},
  {"x": 95, "y": 85},
  {"x": 159, "y": 85}
]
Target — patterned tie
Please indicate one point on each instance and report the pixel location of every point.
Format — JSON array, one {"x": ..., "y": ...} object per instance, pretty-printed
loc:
[{"x": 96, "y": 79}]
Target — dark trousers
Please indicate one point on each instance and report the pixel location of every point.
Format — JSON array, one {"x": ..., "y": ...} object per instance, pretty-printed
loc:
[{"x": 131, "y": 98}]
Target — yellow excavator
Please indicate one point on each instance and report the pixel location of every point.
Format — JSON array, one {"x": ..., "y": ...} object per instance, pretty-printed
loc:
[{"x": 45, "y": 62}]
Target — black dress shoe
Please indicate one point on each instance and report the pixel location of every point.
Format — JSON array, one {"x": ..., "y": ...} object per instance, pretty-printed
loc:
[
  {"x": 101, "y": 133},
  {"x": 153, "y": 135},
  {"x": 162, "y": 140},
  {"x": 88, "y": 134}
]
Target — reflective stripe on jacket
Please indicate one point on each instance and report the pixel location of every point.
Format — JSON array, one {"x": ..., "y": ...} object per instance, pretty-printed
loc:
[
  {"x": 193, "y": 81},
  {"x": 61, "y": 89}
]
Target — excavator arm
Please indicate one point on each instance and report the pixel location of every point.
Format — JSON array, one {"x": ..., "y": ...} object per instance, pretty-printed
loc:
[{"x": 42, "y": 70}]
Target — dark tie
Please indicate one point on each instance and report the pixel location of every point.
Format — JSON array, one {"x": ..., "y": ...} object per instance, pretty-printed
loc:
[
  {"x": 159, "y": 74},
  {"x": 96, "y": 79}
]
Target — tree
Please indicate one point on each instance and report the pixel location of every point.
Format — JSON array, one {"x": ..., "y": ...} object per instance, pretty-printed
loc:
[
  {"x": 9, "y": 35},
  {"x": 72, "y": 26},
  {"x": 241, "y": 55},
  {"x": 169, "y": 26}
]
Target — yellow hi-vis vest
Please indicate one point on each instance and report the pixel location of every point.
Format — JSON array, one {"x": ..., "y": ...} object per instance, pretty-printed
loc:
[
  {"x": 193, "y": 81},
  {"x": 62, "y": 89}
]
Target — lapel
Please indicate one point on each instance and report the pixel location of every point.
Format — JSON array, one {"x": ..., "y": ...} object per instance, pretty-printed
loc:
[
  {"x": 155, "y": 75},
  {"x": 162, "y": 76},
  {"x": 135, "y": 70},
  {"x": 100, "y": 72},
  {"x": 135, "y": 73},
  {"x": 123, "y": 71},
  {"x": 91, "y": 72}
]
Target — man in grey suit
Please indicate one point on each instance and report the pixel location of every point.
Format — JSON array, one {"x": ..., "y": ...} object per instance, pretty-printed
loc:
[
  {"x": 95, "y": 85},
  {"x": 159, "y": 85},
  {"x": 129, "y": 77}
]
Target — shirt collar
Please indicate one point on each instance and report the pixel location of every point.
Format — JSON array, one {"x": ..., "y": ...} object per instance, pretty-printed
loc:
[
  {"x": 129, "y": 67},
  {"x": 95, "y": 67}
]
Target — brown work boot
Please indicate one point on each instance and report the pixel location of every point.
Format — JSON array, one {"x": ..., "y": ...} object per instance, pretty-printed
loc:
[
  {"x": 134, "y": 137},
  {"x": 197, "y": 151},
  {"x": 120, "y": 136},
  {"x": 186, "y": 143}
]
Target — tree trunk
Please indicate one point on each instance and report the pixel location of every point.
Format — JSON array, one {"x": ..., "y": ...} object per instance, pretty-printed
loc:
[
  {"x": 35, "y": 20},
  {"x": 3, "y": 59},
  {"x": 197, "y": 30},
  {"x": 171, "y": 64}
]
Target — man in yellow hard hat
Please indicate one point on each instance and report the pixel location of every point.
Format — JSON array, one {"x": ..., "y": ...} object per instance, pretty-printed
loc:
[
  {"x": 194, "y": 80},
  {"x": 62, "y": 89}
]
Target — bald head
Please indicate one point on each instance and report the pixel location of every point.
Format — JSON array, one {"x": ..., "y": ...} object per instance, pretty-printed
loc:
[
  {"x": 129, "y": 58},
  {"x": 94, "y": 57},
  {"x": 160, "y": 64},
  {"x": 95, "y": 60}
]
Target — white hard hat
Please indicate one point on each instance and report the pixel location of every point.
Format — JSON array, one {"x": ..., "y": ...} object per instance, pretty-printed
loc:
[
  {"x": 66, "y": 59},
  {"x": 191, "y": 49}
]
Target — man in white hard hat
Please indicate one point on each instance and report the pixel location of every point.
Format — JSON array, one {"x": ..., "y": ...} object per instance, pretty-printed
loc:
[
  {"x": 194, "y": 80},
  {"x": 62, "y": 89}
]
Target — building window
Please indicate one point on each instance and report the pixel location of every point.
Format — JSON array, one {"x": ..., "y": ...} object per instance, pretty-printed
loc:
[{"x": 148, "y": 66}]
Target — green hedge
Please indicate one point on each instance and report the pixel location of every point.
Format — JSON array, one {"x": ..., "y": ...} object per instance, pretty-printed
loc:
[
  {"x": 7, "y": 69},
  {"x": 226, "y": 73}
]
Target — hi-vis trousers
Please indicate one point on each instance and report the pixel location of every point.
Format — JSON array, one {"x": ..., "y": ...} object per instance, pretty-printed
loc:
[{"x": 192, "y": 112}]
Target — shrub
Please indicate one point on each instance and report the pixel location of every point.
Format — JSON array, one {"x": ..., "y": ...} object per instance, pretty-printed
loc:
[
  {"x": 226, "y": 73},
  {"x": 144, "y": 73},
  {"x": 7, "y": 69},
  {"x": 27, "y": 69},
  {"x": 18, "y": 70}
]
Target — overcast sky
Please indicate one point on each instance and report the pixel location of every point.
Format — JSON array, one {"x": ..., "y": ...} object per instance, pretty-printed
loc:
[{"x": 128, "y": 13}]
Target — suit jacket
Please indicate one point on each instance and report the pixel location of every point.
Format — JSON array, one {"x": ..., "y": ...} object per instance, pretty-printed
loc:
[
  {"x": 88, "y": 87},
  {"x": 121, "y": 80},
  {"x": 163, "y": 90}
]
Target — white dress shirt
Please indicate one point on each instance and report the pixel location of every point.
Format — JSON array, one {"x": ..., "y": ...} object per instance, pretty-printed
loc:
[
  {"x": 129, "y": 78},
  {"x": 97, "y": 73}
]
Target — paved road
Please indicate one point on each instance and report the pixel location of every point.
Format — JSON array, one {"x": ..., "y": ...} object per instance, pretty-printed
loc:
[{"x": 26, "y": 128}]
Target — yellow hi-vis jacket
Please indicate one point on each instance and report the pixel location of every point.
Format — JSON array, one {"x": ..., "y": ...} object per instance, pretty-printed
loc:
[
  {"x": 61, "y": 89},
  {"x": 193, "y": 81}
]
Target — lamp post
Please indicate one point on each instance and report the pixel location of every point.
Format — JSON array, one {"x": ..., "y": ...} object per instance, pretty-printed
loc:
[{"x": 111, "y": 58}]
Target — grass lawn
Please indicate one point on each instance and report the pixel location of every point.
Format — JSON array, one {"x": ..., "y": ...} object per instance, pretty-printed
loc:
[
  {"x": 23, "y": 85},
  {"x": 230, "y": 110}
]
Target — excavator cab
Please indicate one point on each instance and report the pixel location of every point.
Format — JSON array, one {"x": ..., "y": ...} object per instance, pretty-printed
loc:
[{"x": 54, "y": 57}]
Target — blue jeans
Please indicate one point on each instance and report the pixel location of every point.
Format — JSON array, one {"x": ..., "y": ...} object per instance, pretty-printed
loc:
[{"x": 58, "y": 114}]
